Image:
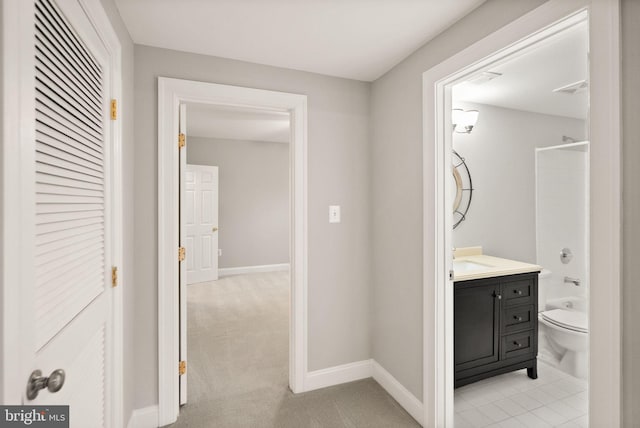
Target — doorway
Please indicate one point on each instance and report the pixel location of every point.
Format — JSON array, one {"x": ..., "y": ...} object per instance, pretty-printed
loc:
[
  {"x": 604, "y": 133},
  {"x": 235, "y": 216},
  {"x": 173, "y": 93},
  {"x": 530, "y": 201}
]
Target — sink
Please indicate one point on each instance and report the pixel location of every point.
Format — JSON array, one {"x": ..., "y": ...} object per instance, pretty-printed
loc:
[{"x": 467, "y": 266}]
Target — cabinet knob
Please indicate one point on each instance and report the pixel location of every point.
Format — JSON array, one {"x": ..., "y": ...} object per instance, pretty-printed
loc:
[
  {"x": 517, "y": 318},
  {"x": 519, "y": 345},
  {"x": 518, "y": 292},
  {"x": 499, "y": 296}
]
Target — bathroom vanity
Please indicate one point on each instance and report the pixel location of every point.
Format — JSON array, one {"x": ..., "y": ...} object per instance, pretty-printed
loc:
[{"x": 495, "y": 317}]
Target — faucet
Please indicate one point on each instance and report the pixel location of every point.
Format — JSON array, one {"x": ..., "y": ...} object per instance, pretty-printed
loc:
[{"x": 574, "y": 281}]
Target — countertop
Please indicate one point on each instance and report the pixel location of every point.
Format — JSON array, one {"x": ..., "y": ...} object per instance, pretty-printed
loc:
[{"x": 472, "y": 264}]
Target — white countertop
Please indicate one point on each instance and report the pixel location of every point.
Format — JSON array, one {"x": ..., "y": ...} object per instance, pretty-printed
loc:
[{"x": 470, "y": 263}]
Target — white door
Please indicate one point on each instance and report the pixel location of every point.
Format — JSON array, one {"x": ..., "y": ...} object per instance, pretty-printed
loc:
[
  {"x": 67, "y": 295},
  {"x": 201, "y": 223},
  {"x": 182, "y": 279}
]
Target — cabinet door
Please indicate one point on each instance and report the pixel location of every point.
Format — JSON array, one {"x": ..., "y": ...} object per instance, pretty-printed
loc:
[{"x": 476, "y": 324}]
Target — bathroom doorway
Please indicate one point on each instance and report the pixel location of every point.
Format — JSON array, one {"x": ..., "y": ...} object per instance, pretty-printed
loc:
[
  {"x": 534, "y": 31},
  {"x": 523, "y": 209}
]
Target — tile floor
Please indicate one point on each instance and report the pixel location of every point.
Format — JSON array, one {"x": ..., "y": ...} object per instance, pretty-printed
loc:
[{"x": 512, "y": 400}]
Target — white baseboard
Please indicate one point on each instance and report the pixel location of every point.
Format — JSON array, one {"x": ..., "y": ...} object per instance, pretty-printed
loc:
[
  {"x": 253, "y": 269},
  {"x": 402, "y": 395},
  {"x": 336, "y": 375},
  {"x": 147, "y": 417}
]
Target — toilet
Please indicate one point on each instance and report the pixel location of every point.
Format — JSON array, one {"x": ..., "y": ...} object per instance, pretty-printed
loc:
[{"x": 565, "y": 329}]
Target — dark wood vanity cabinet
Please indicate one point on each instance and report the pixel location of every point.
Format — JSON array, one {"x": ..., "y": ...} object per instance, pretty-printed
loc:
[{"x": 495, "y": 326}]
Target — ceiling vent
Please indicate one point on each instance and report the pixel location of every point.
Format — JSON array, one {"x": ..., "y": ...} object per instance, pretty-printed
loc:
[
  {"x": 484, "y": 77},
  {"x": 573, "y": 88}
]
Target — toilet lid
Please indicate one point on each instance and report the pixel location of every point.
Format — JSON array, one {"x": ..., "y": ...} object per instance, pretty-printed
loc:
[{"x": 572, "y": 320}]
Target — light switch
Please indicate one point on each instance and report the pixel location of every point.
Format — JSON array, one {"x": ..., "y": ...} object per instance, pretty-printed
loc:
[{"x": 334, "y": 213}]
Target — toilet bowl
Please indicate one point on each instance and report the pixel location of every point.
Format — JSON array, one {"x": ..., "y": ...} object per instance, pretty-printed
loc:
[{"x": 567, "y": 334}]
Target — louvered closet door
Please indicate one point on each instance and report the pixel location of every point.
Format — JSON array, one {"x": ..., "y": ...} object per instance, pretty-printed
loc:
[{"x": 71, "y": 306}]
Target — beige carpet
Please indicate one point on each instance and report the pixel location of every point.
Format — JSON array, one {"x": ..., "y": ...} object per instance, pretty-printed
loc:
[{"x": 238, "y": 365}]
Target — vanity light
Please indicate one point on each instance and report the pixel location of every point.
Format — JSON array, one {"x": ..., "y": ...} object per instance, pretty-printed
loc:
[{"x": 463, "y": 120}]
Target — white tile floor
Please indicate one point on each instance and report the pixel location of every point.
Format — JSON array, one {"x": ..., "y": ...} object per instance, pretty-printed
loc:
[{"x": 512, "y": 400}]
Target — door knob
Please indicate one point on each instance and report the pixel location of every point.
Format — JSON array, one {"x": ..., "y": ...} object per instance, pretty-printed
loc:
[
  {"x": 214, "y": 229},
  {"x": 36, "y": 382}
]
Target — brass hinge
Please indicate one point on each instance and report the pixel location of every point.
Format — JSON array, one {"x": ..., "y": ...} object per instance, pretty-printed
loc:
[
  {"x": 182, "y": 367},
  {"x": 114, "y": 276},
  {"x": 114, "y": 109},
  {"x": 182, "y": 140},
  {"x": 181, "y": 253}
]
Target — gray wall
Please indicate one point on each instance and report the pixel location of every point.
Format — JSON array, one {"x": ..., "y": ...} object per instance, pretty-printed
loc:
[
  {"x": 396, "y": 163},
  {"x": 253, "y": 213},
  {"x": 126, "y": 114},
  {"x": 2, "y": 107},
  {"x": 500, "y": 153},
  {"x": 338, "y": 173},
  {"x": 631, "y": 211}
]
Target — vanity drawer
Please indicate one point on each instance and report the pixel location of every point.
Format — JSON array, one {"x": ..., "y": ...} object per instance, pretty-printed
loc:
[
  {"x": 518, "y": 292},
  {"x": 518, "y": 344},
  {"x": 518, "y": 318}
]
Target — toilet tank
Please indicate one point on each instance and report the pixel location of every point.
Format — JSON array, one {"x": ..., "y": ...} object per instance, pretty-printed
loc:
[{"x": 544, "y": 284}]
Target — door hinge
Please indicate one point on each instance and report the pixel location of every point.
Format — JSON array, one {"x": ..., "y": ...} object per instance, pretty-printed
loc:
[
  {"x": 182, "y": 140},
  {"x": 114, "y": 109},
  {"x": 114, "y": 276},
  {"x": 182, "y": 252},
  {"x": 182, "y": 367}
]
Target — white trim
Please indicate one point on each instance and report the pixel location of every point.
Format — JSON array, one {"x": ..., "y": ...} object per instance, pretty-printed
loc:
[
  {"x": 338, "y": 374},
  {"x": 253, "y": 269},
  {"x": 147, "y": 417},
  {"x": 172, "y": 92},
  {"x": 605, "y": 346},
  {"x": 402, "y": 395},
  {"x": 17, "y": 73}
]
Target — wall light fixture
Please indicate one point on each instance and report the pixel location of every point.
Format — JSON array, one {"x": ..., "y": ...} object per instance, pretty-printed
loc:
[{"x": 463, "y": 120}]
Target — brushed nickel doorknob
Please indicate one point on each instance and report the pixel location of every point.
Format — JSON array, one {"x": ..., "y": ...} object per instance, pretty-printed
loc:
[
  {"x": 214, "y": 229},
  {"x": 36, "y": 382}
]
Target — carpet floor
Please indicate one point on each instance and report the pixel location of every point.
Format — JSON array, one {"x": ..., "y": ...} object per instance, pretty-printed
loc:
[{"x": 238, "y": 365}]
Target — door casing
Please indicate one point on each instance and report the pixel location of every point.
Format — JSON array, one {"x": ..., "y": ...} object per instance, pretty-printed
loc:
[
  {"x": 171, "y": 93},
  {"x": 605, "y": 196}
]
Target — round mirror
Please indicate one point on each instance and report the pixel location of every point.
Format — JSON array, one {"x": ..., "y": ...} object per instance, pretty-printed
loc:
[{"x": 463, "y": 188}]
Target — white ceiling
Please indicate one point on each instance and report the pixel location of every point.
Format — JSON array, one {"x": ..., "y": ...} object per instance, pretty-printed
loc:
[
  {"x": 356, "y": 39},
  {"x": 237, "y": 123},
  {"x": 528, "y": 81}
]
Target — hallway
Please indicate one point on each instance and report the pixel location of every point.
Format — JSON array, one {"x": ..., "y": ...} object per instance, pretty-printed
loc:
[{"x": 238, "y": 365}]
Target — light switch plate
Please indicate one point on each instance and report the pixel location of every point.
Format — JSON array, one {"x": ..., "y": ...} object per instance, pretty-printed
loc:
[{"x": 334, "y": 213}]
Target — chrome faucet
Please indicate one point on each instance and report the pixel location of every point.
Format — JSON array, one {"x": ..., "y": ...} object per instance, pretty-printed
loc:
[{"x": 574, "y": 281}]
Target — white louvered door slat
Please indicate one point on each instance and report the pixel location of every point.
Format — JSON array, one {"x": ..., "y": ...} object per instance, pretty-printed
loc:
[
  {"x": 72, "y": 256},
  {"x": 65, "y": 264}
]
